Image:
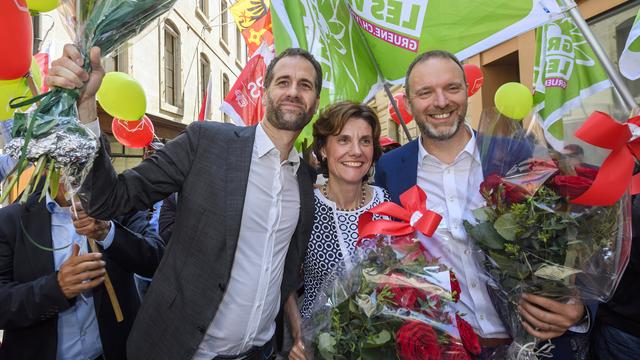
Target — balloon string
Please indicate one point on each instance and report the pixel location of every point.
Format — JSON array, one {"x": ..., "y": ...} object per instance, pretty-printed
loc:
[{"x": 139, "y": 127}]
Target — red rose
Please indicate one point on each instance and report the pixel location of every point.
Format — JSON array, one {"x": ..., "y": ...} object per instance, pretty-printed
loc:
[
  {"x": 514, "y": 193},
  {"x": 570, "y": 186},
  {"x": 510, "y": 193},
  {"x": 586, "y": 172},
  {"x": 403, "y": 296},
  {"x": 455, "y": 352},
  {"x": 469, "y": 338},
  {"x": 455, "y": 287},
  {"x": 416, "y": 340}
]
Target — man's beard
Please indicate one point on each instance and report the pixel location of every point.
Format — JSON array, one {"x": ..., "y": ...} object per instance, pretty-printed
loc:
[
  {"x": 286, "y": 120},
  {"x": 433, "y": 133}
]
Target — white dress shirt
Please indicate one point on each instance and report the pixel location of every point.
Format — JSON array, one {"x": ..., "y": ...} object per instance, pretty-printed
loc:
[
  {"x": 246, "y": 316},
  {"x": 453, "y": 192}
]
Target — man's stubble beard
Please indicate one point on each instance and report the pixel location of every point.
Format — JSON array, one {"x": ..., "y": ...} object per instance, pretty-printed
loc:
[
  {"x": 431, "y": 132},
  {"x": 277, "y": 118}
]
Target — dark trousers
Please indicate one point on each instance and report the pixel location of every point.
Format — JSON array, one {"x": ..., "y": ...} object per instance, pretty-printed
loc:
[{"x": 610, "y": 343}]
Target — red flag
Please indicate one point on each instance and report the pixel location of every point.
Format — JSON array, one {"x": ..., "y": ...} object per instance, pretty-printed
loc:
[
  {"x": 244, "y": 101},
  {"x": 258, "y": 33},
  {"x": 205, "y": 108}
]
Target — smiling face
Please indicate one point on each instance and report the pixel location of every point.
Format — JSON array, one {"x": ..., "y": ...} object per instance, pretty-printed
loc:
[
  {"x": 350, "y": 153},
  {"x": 437, "y": 98},
  {"x": 291, "y": 98}
]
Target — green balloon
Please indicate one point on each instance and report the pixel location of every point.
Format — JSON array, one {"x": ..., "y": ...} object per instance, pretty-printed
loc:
[
  {"x": 121, "y": 96},
  {"x": 42, "y": 5},
  {"x": 11, "y": 89},
  {"x": 514, "y": 100}
]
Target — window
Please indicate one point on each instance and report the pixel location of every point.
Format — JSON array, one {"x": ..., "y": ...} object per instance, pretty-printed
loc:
[
  {"x": 117, "y": 61},
  {"x": 205, "y": 73},
  {"x": 225, "y": 91},
  {"x": 238, "y": 45},
  {"x": 171, "y": 65},
  {"x": 37, "y": 40},
  {"x": 203, "y": 6},
  {"x": 123, "y": 157},
  {"x": 224, "y": 19}
]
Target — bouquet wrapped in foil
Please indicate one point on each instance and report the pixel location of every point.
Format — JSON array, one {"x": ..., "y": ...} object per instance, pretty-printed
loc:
[
  {"x": 533, "y": 237},
  {"x": 397, "y": 301},
  {"x": 50, "y": 135}
]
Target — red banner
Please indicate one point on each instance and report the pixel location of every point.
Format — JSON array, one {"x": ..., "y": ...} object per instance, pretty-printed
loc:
[{"x": 243, "y": 103}]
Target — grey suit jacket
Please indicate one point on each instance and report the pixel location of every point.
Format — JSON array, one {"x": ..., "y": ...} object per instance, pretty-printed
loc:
[{"x": 208, "y": 165}]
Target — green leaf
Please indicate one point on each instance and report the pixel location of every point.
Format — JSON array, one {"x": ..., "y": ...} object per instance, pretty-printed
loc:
[
  {"x": 55, "y": 183},
  {"x": 378, "y": 339},
  {"x": 506, "y": 226},
  {"x": 482, "y": 214},
  {"x": 327, "y": 345},
  {"x": 486, "y": 235}
]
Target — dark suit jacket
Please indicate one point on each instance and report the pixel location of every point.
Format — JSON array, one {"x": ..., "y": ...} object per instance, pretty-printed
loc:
[
  {"x": 208, "y": 166},
  {"x": 30, "y": 297},
  {"x": 397, "y": 171},
  {"x": 167, "y": 218}
]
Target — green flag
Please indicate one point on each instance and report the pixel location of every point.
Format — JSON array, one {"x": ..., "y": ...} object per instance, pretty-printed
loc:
[
  {"x": 630, "y": 57},
  {"x": 349, "y": 37},
  {"x": 566, "y": 72}
]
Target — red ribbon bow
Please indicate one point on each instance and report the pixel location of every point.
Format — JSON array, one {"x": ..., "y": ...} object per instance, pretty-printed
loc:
[
  {"x": 616, "y": 173},
  {"x": 413, "y": 213}
]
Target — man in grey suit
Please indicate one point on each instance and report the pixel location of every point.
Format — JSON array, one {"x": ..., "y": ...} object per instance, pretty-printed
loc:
[{"x": 243, "y": 220}]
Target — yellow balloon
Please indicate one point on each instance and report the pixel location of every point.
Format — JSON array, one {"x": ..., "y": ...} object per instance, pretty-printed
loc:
[
  {"x": 514, "y": 100},
  {"x": 121, "y": 96},
  {"x": 42, "y": 5},
  {"x": 11, "y": 89}
]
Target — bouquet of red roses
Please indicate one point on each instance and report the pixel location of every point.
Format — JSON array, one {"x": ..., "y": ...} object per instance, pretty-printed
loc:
[
  {"x": 396, "y": 303},
  {"x": 533, "y": 238}
]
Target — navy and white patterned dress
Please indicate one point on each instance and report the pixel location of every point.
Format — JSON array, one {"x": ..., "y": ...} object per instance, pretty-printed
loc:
[{"x": 334, "y": 234}]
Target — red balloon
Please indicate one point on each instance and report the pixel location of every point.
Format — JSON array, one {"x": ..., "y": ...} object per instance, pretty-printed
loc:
[
  {"x": 475, "y": 79},
  {"x": 16, "y": 39},
  {"x": 401, "y": 100},
  {"x": 133, "y": 134}
]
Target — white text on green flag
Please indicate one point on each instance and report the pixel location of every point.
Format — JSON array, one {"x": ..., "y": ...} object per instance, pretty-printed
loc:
[{"x": 566, "y": 72}]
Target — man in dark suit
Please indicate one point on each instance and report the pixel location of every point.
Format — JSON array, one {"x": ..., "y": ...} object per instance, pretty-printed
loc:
[
  {"x": 243, "y": 219},
  {"x": 52, "y": 301},
  {"x": 445, "y": 162}
]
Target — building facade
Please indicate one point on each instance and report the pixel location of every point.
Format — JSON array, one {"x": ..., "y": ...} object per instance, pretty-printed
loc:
[
  {"x": 513, "y": 60},
  {"x": 173, "y": 59}
]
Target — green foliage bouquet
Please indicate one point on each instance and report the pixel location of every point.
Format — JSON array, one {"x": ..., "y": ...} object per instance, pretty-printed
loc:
[
  {"x": 50, "y": 136},
  {"x": 533, "y": 239}
]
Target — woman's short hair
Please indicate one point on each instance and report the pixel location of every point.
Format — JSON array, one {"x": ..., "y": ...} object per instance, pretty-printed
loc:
[{"x": 332, "y": 120}]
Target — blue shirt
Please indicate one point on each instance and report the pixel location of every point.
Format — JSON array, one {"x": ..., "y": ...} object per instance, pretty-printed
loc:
[
  {"x": 6, "y": 165},
  {"x": 155, "y": 216},
  {"x": 78, "y": 333}
]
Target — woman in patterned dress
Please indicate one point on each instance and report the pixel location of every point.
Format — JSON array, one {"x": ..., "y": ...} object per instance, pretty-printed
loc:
[{"x": 346, "y": 143}]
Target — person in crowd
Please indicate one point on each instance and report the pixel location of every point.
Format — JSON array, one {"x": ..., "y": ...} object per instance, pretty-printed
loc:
[
  {"x": 388, "y": 144},
  {"x": 7, "y": 163},
  {"x": 243, "y": 218},
  {"x": 445, "y": 162},
  {"x": 53, "y": 302},
  {"x": 153, "y": 215},
  {"x": 616, "y": 334},
  {"x": 346, "y": 143}
]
